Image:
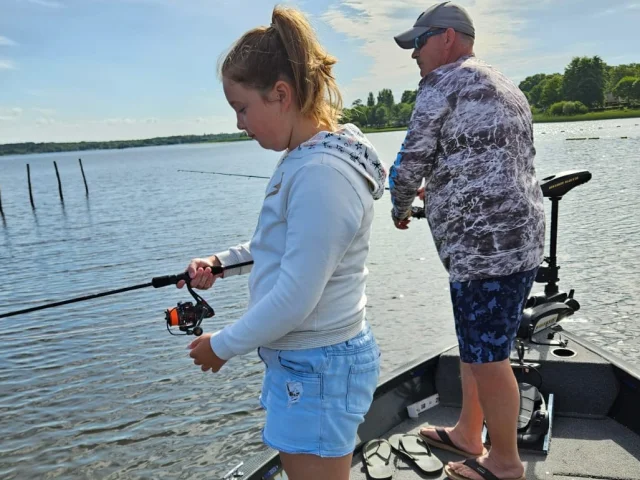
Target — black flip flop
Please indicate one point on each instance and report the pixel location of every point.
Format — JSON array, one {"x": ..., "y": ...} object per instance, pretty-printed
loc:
[
  {"x": 417, "y": 450},
  {"x": 376, "y": 455},
  {"x": 445, "y": 443},
  {"x": 473, "y": 464}
]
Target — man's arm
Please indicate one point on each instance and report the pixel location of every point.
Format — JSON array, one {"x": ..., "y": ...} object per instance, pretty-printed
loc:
[{"x": 417, "y": 154}]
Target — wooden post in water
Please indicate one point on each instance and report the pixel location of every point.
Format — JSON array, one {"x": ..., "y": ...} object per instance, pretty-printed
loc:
[
  {"x": 59, "y": 183},
  {"x": 30, "y": 191},
  {"x": 1, "y": 211},
  {"x": 86, "y": 188}
]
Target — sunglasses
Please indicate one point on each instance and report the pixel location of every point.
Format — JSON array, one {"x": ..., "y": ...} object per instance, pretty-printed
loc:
[{"x": 420, "y": 41}]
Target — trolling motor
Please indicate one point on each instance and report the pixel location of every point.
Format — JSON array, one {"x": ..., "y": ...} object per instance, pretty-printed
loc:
[{"x": 545, "y": 310}]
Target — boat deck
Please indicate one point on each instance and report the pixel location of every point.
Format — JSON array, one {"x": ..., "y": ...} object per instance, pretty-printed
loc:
[
  {"x": 586, "y": 441},
  {"x": 581, "y": 448},
  {"x": 595, "y": 430}
]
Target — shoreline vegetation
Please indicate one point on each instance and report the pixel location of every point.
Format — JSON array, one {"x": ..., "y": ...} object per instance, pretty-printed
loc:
[
  {"x": 589, "y": 89},
  {"x": 54, "y": 147},
  {"x": 545, "y": 118}
]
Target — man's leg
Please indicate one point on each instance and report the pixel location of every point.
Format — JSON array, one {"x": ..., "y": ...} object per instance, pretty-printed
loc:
[
  {"x": 489, "y": 314},
  {"x": 467, "y": 433},
  {"x": 500, "y": 400}
]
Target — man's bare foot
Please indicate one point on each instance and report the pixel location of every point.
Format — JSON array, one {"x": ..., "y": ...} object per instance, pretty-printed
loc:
[
  {"x": 501, "y": 471},
  {"x": 472, "y": 447}
]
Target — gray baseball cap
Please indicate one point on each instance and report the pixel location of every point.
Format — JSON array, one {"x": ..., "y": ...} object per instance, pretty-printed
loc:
[{"x": 440, "y": 15}]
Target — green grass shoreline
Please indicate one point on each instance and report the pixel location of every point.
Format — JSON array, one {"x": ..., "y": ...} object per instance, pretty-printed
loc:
[
  {"x": 50, "y": 147},
  {"x": 543, "y": 118},
  {"x": 604, "y": 115}
]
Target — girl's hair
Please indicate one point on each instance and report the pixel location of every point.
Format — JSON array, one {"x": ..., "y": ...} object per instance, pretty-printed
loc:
[{"x": 287, "y": 50}]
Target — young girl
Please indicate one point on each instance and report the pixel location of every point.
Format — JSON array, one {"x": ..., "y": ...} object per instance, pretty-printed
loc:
[{"x": 306, "y": 313}]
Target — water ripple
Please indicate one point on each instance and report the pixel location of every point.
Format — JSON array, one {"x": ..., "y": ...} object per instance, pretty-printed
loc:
[{"x": 100, "y": 390}]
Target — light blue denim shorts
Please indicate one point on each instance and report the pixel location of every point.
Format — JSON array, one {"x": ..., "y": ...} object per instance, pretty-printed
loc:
[{"x": 316, "y": 398}]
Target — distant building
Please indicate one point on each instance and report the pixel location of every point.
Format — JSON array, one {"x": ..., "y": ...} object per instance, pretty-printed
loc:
[{"x": 610, "y": 100}]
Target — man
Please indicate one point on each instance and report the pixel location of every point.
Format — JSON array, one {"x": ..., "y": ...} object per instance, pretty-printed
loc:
[{"x": 471, "y": 140}]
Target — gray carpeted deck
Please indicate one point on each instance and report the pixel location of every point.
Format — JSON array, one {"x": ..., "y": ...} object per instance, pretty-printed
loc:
[{"x": 591, "y": 448}]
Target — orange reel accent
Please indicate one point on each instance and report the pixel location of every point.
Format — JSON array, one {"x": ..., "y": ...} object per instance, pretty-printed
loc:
[{"x": 173, "y": 316}]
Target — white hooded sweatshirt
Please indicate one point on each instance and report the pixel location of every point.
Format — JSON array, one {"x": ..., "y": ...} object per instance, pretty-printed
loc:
[{"x": 307, "y": 282}]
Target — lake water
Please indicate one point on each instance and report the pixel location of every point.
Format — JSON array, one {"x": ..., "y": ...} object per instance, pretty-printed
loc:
[{"x": 99, "y": 389}]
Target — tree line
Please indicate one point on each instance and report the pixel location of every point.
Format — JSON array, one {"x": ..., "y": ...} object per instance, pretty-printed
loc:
[
  {"x": 49, "y": 147},
  {"x": 381, "y": 111},
  {"x": 587, "y": 84}
]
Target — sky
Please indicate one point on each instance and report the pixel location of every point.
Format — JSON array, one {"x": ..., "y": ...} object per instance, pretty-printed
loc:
[{"x": 74, "y": 70}]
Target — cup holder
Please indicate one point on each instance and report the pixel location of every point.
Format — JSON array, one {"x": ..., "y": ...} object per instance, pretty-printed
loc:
[{"x": 563, "y": 352}]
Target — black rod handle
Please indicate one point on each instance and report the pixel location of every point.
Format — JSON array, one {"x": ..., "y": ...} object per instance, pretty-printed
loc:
[{"x": 166, "y": 280}]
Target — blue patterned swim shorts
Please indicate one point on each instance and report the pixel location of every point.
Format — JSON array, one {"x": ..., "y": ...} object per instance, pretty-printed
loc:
[{"x": 487, "y": 315}]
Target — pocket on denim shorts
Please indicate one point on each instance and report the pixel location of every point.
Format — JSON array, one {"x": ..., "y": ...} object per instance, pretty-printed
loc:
[
  {"x": 362, "y": 383},
  {"x": 302, "y": 364}
]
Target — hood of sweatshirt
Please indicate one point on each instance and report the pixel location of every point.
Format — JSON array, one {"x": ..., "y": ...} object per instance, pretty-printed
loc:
[{"x": 349, "y": 144}]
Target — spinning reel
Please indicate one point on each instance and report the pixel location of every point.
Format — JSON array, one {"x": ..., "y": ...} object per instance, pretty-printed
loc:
[{"x": 187, "y": 316}]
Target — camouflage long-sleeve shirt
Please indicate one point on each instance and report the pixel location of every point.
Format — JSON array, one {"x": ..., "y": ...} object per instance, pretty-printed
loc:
[{"x": 471, "y": 139}]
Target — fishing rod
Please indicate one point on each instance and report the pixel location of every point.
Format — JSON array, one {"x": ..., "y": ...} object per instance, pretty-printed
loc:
[
  {"x": 227, "y": 174},
  {"x": 233, "y": 174},
  {"x": 416, "y": 212},
  {"x": 186, "y": 315}
]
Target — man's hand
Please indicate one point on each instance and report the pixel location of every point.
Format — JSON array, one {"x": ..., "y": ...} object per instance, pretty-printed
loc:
[
  {"x": 402, "y": 224},
  {"x": 203, "y": 354}
]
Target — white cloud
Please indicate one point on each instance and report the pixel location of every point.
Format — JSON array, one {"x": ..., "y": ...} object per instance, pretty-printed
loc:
[
  {"x": 118, "y": 121},
  {"x": 44, "y": 111},
  {"x": 22, "y": 127},
  {"x": 6, "y": 42},
  {"x": 36, "y": 93},
  {"x": 7, "y": 65},
  {"x": 620, "y": 9},
  {"x": 373, "y": 24},
  {"x": 46, "y": 3},
  {"x": 45, "y": 121},
  {"x": 10, "y": 114}
]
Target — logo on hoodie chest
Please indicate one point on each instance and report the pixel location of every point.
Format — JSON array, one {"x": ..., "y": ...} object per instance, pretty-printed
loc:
[{"x": 276, "y": 188}]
